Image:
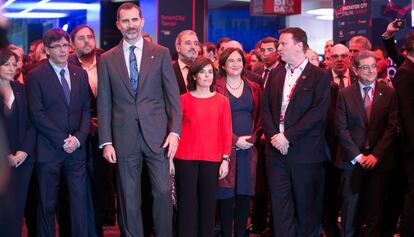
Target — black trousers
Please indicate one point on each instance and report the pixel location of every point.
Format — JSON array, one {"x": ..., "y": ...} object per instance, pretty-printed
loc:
[
  {"x": 234, "y": 209},
  {"x": 363, "y": 199},
  {"x": 296, "y": 191},
  {"x": 407, "y": 225},
  {"x": 196, "y": 197}
]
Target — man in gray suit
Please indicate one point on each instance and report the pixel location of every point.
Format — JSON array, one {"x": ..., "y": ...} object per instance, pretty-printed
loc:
[{"x": 139, "y": 116}]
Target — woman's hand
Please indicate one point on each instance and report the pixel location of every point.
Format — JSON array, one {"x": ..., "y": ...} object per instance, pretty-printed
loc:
[
  {"x": 224, "y": 169},
  {"x": 172, "y": 167},
  {"x": 243, "y": 144}
]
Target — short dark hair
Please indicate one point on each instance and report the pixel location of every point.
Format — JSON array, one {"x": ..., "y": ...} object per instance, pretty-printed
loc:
[
  {"x": 409, "y": 41},
  {"x": 222, "y": 40},
  {"x": 363, "y": 55},
  {"x": 195, "y": 68},
  {"x": 54, "y": 35},
  {"x": 383, "y": 51},
  {"x": 5, "y": 55},
  {"x": 226, "y": 54},
  {"x": 269, "y": 39},
  {"x": 128, "y": 6},
  {"x": 77, "y": 29},
  {"x": 209, "y": 46},
  {"x": 298, "y": 35}
]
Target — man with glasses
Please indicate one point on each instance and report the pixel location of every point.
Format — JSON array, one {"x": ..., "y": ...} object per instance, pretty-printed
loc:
[
  {"x": 187, "y": 46},
  {"x": 340, "y": 62},
  {"x": 59, "y": 109},
  {"x": 366, "y": 126}
]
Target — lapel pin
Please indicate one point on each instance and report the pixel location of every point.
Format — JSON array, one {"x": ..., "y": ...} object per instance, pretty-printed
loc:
[
  {"x": 303, "y": 77},
  {"x": 152, "y": 57},
  {"x": 380, "y": 93}
]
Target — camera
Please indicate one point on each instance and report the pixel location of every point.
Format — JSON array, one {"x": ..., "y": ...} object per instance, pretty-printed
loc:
[{"x": 400, "y": 23}]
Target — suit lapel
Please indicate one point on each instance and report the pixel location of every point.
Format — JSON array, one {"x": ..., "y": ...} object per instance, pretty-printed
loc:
[
  {"x": 376, "y": 101},
  {"x": 55, "y": 82},
  {"x": 300, "y": 82},
  {"x": 74, "y": 84},
  {"x": 146, "y": 61},
  {"x": 121, "y": 67},
  {"x": 358, "y": 102}
]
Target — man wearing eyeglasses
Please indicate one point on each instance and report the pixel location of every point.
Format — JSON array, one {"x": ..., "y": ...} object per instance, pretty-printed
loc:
[
  {"x": 340, "y": 61},
  {"x": 366, "y": 125},
  {"x": 59, "y": 109}
]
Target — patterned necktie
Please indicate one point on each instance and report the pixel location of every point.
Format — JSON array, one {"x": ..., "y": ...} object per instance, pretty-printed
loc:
[
  {"x": 133, "y": 70},
  {"x": 65, "y": 85},
  {"x": 367, "y": 102},
  {"x": 341, "y": 81}
]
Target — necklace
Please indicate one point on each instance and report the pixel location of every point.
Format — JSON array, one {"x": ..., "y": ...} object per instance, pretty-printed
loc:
[{"x": 235, "y": 88}]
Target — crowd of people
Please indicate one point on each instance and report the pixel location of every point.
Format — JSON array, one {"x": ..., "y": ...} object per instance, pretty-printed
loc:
[{"x": 196, "y": 146}]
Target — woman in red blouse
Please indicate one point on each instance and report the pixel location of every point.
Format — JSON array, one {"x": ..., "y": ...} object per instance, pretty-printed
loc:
[{"x": 203, "y": 153}]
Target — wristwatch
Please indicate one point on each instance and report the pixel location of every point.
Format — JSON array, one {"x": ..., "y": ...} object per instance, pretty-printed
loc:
[{"x": 226, "y": 159}]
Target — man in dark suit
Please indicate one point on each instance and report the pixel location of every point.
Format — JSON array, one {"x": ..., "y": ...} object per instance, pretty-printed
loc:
[
  {"x": 187, "y": 46},
  {"x": 366, "y": 124},
  {"x": 139, "y": 116},
  {"x": 268, "y": 49},
  {"x": 404, "y": 85},
  {"x": 59, "y": 109},
  {"x": 86, "y": 56},
  {"x": 340, "y": 61},
  {"x": 294, "y": 106}
]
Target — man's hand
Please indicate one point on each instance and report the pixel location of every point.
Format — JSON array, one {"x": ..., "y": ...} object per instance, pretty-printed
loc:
[
  {"x": 280, "y": 142},
  {"x": 109, "y": 153},
  {"x": 370, "y": 161},
  {"x": 224, "y": 169},
  {"x": 71, "y": 144},
  {"x": 17, "y": 159},
  {"x": 172, "y": 143},
  {"x": 389, "y": 32},
  {"x": 243, "y": 144}
]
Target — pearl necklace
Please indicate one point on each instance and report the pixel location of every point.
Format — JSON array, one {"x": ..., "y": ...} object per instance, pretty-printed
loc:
[{"x": 235, "y": 88}]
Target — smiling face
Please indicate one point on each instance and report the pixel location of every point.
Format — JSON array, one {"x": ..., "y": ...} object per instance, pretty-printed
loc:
[
  {"x": 367, "y": 70},
  {"x": 204, "y": 78},
  {"x": 8, "y": 69},
  {"x": 234, "y": 64},
  {"x": 130, "y": 24}
]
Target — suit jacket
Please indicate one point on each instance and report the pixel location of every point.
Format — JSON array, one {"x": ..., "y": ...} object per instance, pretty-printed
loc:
[
  {"x": 26, "y": 133},
  {"x": 355, "y": 136},
  {"x": 230, "y": 180},
  {"x": 304, "y": 116},
  {"x": 393, "y": 52},
  {"x": 330, "y": 134},
  {"x": 53, "y": 118},
  {"x": 155, "y": 111},
  {"x": 404, "y": 85},
  {"x": 180, "y": 78}
]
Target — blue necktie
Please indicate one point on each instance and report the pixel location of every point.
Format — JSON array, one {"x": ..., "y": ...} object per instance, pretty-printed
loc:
[
  {"x": 65, "y": 85},
  {"x": 133, "y": 70}
]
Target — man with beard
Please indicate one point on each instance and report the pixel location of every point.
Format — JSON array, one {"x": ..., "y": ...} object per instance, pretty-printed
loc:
[
  {"x": 382, "y": 66},
  {"x": 187, "y": 47},
  {"x": 86, "y": 55},
  {"x": 268, "y": 49},
  {"x": 139, "y": 117}
]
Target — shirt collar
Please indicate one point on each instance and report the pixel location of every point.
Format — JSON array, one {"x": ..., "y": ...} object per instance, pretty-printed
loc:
[
  {"x": 362, "y": 86},
  {"x": 300, "y": 67},
  {"x": 139, "y": 44},
  {"x": 57, "y": 68},
  {"x": 182, "y": 64},
  {"x": 345, "y": 75}
]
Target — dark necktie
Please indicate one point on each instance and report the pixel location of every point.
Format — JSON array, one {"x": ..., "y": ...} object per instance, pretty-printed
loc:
[
  {"x": 65, "y": 85},
  {"x": 341, "y": 81},
  {"x": 266, "y": 74},
  {"x": 367, "y": 102},
  {"x": 133, "y": 70}
]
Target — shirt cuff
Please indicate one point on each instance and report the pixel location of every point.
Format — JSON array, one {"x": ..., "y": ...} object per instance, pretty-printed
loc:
[
  {"x": 356, "y": 159},
  {"x": 176, "y": 134},
  {"x": 77, "y": 142},
  {"x": 106, "y": 143}
]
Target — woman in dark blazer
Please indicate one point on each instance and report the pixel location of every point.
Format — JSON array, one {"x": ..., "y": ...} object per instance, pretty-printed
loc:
[
  {"x": 235, "y": 190},
  {"x": 20, "y": 135}
]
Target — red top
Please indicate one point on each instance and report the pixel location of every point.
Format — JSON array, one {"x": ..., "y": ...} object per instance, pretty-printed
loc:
[{"x": 206, "y": 130}]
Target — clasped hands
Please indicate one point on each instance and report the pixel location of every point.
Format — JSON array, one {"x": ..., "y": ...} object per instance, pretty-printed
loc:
[
  {"x": 71, "y": 144},
  {"x": 368, "y": 162},
  {"x": 280, "y": 142}
]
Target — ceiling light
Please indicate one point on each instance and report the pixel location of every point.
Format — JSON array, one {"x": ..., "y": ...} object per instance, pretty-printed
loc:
[
  {"x": 321, "y": 11},
  {"x": 325, "y": 17},
  {"x": 34, "y": 6},
  {"x": 7, "y": 3},
  {"x": 34, "y": 15},
  {"x": 54, "y": 6}
]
